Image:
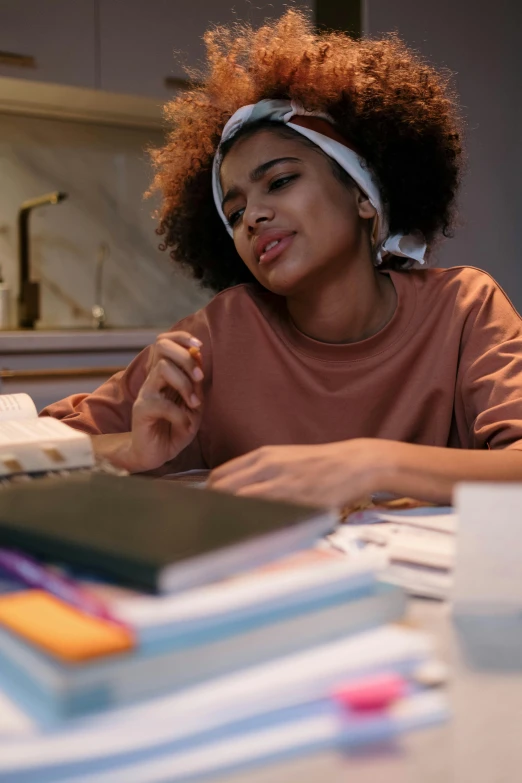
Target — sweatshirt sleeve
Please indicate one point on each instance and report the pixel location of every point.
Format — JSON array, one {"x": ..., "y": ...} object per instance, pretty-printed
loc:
[
  {"x": 489, "y": 383},
  {"x": 108, "y": 409}
]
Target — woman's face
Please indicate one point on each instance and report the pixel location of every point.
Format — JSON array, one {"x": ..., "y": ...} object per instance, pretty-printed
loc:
[{"x": 295, "y": 224}]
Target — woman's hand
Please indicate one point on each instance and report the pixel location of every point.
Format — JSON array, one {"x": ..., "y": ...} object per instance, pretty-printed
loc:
[
  {"x": 330, "y": 474},
  {"x": 167, "y": 412}
]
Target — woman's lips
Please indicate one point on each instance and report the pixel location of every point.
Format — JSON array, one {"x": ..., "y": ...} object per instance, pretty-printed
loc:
[{"x": 276, "y": 250}]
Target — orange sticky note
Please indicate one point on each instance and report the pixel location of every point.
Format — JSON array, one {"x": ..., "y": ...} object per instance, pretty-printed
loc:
[{"x": 60, "y": 629}]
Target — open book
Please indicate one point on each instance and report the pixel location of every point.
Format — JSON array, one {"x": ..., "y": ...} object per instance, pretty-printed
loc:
[{"x": 32, "y": 445}]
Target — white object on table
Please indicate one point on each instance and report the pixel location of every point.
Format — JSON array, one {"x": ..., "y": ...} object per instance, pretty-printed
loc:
[
  {"x": 487, "y": 592},
  {"x": 489, "y": 548}
]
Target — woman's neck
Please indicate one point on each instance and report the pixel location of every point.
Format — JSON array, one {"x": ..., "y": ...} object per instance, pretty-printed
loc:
[{"x": 345, "y": 310}]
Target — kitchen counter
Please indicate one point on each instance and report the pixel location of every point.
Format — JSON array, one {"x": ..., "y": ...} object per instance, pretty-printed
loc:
[
  {"x": 52, "y": 364},
  {"x": 22, "y": 341}
]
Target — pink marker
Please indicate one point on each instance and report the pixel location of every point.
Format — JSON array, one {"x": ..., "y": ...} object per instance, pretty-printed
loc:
[{"x": 371, "y": 693}]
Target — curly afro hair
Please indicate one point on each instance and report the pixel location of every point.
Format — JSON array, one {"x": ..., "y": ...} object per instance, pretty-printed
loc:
[{"x": 397, "y": 111}]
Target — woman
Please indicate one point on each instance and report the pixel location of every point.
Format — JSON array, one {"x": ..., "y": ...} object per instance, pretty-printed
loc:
[{"x": 304, "y": 180}]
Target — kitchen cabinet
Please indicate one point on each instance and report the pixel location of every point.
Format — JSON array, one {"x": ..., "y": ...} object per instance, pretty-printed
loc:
[
  {"x": 144, "y": 45},
  {"x": 138, "y": 41},
  {"x": 49, "y": 41},
  {"x": 136, "y": 47}
]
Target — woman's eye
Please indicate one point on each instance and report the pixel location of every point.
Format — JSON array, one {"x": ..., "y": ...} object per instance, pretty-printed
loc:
[
  {"x": 281, "y": 181},
  {"x": 234, "y": 217}
]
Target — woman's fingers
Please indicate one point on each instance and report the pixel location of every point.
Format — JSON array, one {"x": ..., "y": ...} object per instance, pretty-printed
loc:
[
  {"x": 184, "y": 339},
  {"x": 258, "y": 465},
  {"x": 165, "y": 373},
  {"x": 181, "y": 350},
  {"x": 186, "y": 357},
  {"x": 167, "y": 411},
  {"x": 163, "y": 410},
  {"x": 241, "y": 472},
  {"x": 233, "y": 482}
]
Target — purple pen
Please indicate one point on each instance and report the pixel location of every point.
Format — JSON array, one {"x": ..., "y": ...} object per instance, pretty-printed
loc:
[{"x": 36, "y": 575}]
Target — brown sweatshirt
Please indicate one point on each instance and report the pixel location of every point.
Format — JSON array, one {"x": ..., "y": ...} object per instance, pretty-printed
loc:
[{"x": 445, "y": 371}]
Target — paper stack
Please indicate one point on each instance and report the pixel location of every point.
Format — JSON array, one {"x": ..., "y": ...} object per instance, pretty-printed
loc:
[{"x": 419, "y": 545}]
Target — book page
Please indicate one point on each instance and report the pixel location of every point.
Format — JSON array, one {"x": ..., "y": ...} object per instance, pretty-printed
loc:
[
  {"x": 35, "y": 431},
  {"x": 17, "y": 406},
  {"x": 40, "y": 445}
]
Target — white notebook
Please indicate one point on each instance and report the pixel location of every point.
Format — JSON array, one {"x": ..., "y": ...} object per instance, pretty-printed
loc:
[{"x": 29, "y": 444}]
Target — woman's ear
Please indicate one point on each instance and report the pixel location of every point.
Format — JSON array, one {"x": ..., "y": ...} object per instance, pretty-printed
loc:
[{"x": 365, "y": 206}]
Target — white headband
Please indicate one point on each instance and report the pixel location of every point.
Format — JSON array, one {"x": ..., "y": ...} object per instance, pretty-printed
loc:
[{"x": 409, "y": 246}]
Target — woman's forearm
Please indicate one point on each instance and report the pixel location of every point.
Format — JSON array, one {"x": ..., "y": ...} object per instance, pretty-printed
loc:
[{"x": 430, "y": 473}]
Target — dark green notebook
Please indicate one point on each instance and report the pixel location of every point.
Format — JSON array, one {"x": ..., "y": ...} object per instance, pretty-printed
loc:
[{"x": 152, "y": 534}]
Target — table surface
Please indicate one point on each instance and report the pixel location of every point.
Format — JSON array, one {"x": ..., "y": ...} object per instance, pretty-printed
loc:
[{"x": 481, "y": 743}]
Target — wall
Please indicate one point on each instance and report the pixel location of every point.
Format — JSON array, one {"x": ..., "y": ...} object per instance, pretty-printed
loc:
[
  {"x": 480, "y": 42},
  {"x": 105, "y": 170}
]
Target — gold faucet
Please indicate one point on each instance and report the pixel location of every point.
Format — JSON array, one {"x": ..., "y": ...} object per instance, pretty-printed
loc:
[{"x": 29, "y": 296}]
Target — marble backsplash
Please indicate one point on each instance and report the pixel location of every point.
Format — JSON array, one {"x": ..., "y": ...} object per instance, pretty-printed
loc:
[{"x": 105, "y": 171}]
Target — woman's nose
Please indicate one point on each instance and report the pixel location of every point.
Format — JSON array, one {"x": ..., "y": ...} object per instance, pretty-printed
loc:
[{"x": 256, "y": 214}]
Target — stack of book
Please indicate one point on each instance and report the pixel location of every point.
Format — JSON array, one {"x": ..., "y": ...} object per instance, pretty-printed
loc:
[
  {"x": 357, "y": 689},
  {"x": 154, "y": 632}
]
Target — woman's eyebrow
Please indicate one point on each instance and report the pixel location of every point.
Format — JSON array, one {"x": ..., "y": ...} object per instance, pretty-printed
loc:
[
  {"x": 257, "y": 174},
  {"x": 261, "y": 170}
]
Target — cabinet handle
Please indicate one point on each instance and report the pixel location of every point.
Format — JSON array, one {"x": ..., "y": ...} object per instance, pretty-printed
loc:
[
  {"x": 17, "y": 60},
  {"x": 66, "y": 372}
]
